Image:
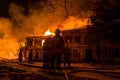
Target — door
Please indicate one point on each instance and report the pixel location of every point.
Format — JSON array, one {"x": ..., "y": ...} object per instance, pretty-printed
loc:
[{"x": 88, "y": 55}]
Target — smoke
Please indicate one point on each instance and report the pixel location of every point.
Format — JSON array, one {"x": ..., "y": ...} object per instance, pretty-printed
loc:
[
  {"x": 74, "y": 22},
  {"x": 8, "y": 43},
  {"x": 52, "y": 15}
]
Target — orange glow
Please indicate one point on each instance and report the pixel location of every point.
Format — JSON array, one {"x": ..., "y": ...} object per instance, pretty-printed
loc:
[
  {"x": 74, "y": 22},
  {"x": 9, "y": 48},
  {"x": 47, "y": 33},
  {"x": 22, "y": 44},
  {"x": 19, "y": 26},
  {"x": 43, "y": 42}
]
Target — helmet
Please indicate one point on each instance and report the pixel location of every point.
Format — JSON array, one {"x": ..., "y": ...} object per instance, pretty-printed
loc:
[{"x": 57, "y": 31}]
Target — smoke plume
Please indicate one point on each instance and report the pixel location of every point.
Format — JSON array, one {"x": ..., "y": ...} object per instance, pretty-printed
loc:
[
  {"x": 8, "y": 43},
  {"x": 50, "y": 16}
]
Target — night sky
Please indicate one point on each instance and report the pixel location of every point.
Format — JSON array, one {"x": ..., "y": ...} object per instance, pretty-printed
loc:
[{"x": 4, "y": 6}]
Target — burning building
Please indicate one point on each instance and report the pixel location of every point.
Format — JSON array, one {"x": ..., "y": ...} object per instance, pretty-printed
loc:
[
  {"x": 81, "y": 50},
  {"x": 34, "y": 43}
]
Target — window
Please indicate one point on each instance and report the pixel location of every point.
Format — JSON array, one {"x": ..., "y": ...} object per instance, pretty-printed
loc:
[
  {"x": 75, "y": 53},
  {"x": 115, "y": 52},
  {"x": 68, "y": 38},
  {"x": 77, "y": 38},
  {"x": 85, "y": 38},
  {"x": 29, "y": 42}
]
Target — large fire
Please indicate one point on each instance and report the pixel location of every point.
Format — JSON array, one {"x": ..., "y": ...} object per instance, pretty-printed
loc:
[
  {"x": 19, "y": 26},
  {"x": 47, "y": 33}
]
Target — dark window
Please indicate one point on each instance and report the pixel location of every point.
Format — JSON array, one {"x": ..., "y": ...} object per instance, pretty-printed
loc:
[
  {"x": 68, "y": 38},
  {"x": 77, "y": 38},
  {"x": 29, "y": 42},
  {"x": 75, "y": 53},
  {"x": 88, "y": 55},
  {"x": 85, "y": 38},
  {"x": 115, "y": 52}
]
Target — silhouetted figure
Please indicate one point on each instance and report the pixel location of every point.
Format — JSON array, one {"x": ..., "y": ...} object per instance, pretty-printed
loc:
[
  {"x": 67, "y": 54},
  {"x": 30, "y": 56},
  {"x": 47, "y": 52},
  {"x": 20, "y": 56},
  {"x": 57, "y": 48}
]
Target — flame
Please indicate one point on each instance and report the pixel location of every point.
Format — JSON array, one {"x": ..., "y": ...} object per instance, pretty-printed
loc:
[
  {"x": 22, "y": 44},
  {"x": 47, "y": 33},
  {"x": 11, "y": 55},
  {"x": 43, "y": 42}
]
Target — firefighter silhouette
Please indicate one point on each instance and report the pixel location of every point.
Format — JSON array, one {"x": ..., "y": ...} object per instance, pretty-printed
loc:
[
  {"x": 57, "y": 48},
  {"x": 67, "y": 54},
  {"x": 47, "y": 52},
  {"x": 20, "y": 55},
  {"x": 30, "y": 56}
]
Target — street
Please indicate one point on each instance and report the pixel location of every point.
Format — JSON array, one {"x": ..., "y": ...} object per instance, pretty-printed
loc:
[{"x": 12, "y": 70}]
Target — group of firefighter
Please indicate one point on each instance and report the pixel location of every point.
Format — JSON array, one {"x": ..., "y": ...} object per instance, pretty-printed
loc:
[{"x": 53, "y": 49}]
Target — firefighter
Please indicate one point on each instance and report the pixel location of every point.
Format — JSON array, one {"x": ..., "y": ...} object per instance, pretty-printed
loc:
[
  {"x": 57, "y": 48},
  {"x": 30, "y": 55},
  {"x": 47, "y": 52},
  {"x": 20, "y": 56},
  {"x": 67, "y": 54}
]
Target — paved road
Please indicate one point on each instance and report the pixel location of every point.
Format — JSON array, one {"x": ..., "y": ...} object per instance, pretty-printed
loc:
[{"x": 12, "y": 70}]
